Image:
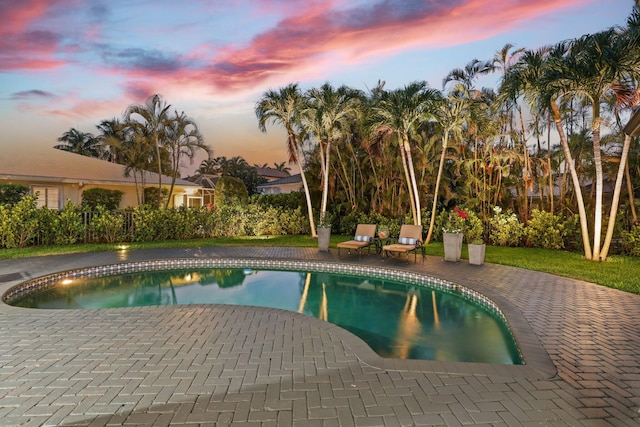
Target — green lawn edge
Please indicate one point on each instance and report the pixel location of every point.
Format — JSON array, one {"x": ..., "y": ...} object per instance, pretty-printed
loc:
[{"x": 618, "y": 271}]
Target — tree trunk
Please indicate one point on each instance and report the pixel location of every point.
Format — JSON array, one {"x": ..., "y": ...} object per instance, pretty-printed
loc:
[
  {"x": 300, "y": 162},
  {"x": 407, "y": 176},
  {"x": 574, "y": 178},
  {"x": 632, "y": 202},
  {"x": 616, "y": 198},
  {"x": 445, "y": 142},
  {"x": 417, "y": 219},
  {"x": 597, "y": 162}
]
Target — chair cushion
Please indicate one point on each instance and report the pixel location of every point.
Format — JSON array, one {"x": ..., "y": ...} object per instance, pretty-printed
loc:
[
  {"x": 362, "y": 238},
  {"x": 407, "y": 241}
]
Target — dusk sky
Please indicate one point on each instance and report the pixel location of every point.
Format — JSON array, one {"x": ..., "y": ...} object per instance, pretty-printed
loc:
[{"x": 73, "y": 63}]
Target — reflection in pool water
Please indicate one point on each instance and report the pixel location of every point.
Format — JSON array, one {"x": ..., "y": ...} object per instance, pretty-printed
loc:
[{"x": 396, "y": 320}]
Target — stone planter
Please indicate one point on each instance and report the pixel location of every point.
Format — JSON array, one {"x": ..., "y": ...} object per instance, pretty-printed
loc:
[
  {"x": 324, "y": 237},
  {"x": 476, "y": 254},
  {"x": 452, "y": 246}
]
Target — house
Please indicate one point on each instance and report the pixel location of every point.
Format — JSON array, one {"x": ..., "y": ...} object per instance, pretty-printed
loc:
[
  {"x": 57, "y": 176},
  {"x": 288, "y": 184},
  {"x": 271, "y": 174}
]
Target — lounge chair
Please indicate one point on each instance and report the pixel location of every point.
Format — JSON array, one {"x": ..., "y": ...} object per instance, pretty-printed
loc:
[
  {"x": 410, "y": 240},
  {"x": 364, "y": 238}
]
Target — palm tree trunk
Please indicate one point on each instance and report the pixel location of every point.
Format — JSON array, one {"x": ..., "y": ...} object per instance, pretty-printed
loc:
[
  {"x": 632, "y": 203},
  {"x": 325, "y": 184},
  {"x": 300, "y": 162},
  {"x": 417, "y": 219},
  {"x": 407, "y": 176},
  {"x": 445, "y": 142},
  {"x": 597, "y": 162},
  {"x": 616, "y": 197},
  {"x": 574, "y": 178}
]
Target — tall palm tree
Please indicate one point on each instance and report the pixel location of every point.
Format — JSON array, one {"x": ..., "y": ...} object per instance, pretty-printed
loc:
[
  {"x": 450, "y": 116},
  {"x": 150, "y": 120},
  {"x": 284, "y": 107},
  {"x": 83, "y": 143},
  {"x": 184, "y": 140},
  {"x": 536, "y": 78},
  {"x": 398, "y": 113},
  {"x": 328, "y": 117},
  {"x": 597, "y": 66}
]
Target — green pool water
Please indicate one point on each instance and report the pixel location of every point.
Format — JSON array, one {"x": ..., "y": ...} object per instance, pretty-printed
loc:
[{"x": 396, "y": 320}]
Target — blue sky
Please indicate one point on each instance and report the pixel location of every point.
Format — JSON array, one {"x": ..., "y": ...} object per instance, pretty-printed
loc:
[{"x": 73, "y": 63}]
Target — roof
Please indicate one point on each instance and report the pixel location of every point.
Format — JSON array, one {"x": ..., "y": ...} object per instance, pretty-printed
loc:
[
  {"x": 52, "y": 165},
  {"x": 293, "y": 179},
  {"x": 272, "y": 173},
  {"x": 204, "y": 180}
]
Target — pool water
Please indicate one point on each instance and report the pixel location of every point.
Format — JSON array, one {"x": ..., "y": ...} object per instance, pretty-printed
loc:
[{"x": 396, "y": 320}]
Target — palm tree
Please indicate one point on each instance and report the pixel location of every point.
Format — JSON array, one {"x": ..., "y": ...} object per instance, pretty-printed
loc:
[
  {"x": 83, "y": 143},
  {"x": 150, "y": 120},
  {"x": 284, "y": 107},
  {"x": 282, "y": 167},
  {"x": 597, "y": 66},
  {"x": 398, "y": 113},
  {"x": 183, "y": 141},
  {"x": 450, "y": 116},
  {"x": 328, "y": 117}
]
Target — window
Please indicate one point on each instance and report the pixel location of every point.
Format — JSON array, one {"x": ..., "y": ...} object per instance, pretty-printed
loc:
[{"x": 48, "y": 197}]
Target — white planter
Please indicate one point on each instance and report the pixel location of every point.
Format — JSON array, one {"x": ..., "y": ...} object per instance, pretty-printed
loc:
[
  {"x": 476, "y": 254},
  {"x": 324, "y": 237},
  {"x": 452, "y": 246}
]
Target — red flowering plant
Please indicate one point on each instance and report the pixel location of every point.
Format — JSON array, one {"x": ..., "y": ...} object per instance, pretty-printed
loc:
[{"x": 455, "y": 222}]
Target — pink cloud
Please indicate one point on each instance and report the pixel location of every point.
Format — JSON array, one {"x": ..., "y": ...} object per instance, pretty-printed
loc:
[
  {"x": 23, "y": 45},
  {"x": 319, "y": 35}
]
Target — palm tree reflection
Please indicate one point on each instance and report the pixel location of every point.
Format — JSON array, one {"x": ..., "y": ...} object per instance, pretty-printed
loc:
[{"x": 409, "y": 325}]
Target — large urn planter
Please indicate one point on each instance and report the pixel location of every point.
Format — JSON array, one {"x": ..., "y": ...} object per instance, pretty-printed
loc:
[
  {"x": 476, "y": 253},
  {"x": 452, "y": 246},
  {"x": 324, "y": 237}
]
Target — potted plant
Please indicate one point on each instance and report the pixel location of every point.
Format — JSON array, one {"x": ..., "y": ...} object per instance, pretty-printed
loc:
[
  {"x": 452, "y": 234},
  {"x": 473, "y": 233},
  {"x": 324, "y": 233}
]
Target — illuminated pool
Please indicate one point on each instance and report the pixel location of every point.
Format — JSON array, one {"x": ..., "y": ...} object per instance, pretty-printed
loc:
[{"x": 398, "y": 314}]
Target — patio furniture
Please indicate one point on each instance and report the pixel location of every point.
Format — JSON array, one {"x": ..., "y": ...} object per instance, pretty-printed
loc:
[
  {"x": 410, "y": 240},
  {"x": 364, "y": 238}
]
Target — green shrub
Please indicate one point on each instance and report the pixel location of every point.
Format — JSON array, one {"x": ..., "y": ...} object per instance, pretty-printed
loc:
[
  {"x": 473, "y": 228},
  {"x": 10, "y": 194},
  {"x": 145, "y": 224},
  {"x": 504, "y": 228},
  {"x": 107, "y": 226},
  {"x": 46, "y": 234},
  {"x": 291, "y": 201},
  {"x": 19, "y": 224},
  {"x": 631, "y": 241},
  {"x": 110, "y": 199},
  {"x": 546, "y": 230},
  {"x": 154, "y": 197},
  {"x": 68, "y": 224},
  {"x": 230, "y": 191}
]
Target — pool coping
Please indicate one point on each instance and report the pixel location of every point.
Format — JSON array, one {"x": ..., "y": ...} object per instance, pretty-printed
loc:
[{"x": 537, "y": 363}]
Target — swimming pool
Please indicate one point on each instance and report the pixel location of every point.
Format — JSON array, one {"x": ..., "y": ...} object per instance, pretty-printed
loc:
[{"x": 398, "y": 314}]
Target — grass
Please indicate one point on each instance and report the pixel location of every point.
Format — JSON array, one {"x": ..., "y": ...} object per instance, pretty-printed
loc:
[{"x": 619, "y": 272}]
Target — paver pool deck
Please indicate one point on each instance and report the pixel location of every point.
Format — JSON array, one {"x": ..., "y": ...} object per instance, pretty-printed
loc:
[{"x": 242, "y": 366}]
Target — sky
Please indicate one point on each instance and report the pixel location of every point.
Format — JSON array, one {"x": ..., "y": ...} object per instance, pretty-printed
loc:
[{"x": 73, "y": 63}]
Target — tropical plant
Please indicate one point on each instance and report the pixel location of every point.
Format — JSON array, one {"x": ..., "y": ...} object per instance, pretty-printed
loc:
[
  {"x": 327, "y": 118},
  {"x": 284, "y": 107},
  {"x": 10, "y": 194},
  {"x": 83, "y": 143},
  {"x": 396, "y": 115}
]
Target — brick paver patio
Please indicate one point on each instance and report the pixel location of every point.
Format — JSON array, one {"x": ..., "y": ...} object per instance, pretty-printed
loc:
[{"x": 242, "y": 366}]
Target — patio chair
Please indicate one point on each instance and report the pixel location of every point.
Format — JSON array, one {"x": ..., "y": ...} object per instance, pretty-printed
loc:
[
  {"x": 410, "y": 240},
  {"x": 364, "y": 238}
]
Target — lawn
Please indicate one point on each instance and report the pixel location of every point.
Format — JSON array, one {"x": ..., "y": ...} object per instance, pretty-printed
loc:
[{"x": 620, "y": 272}]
